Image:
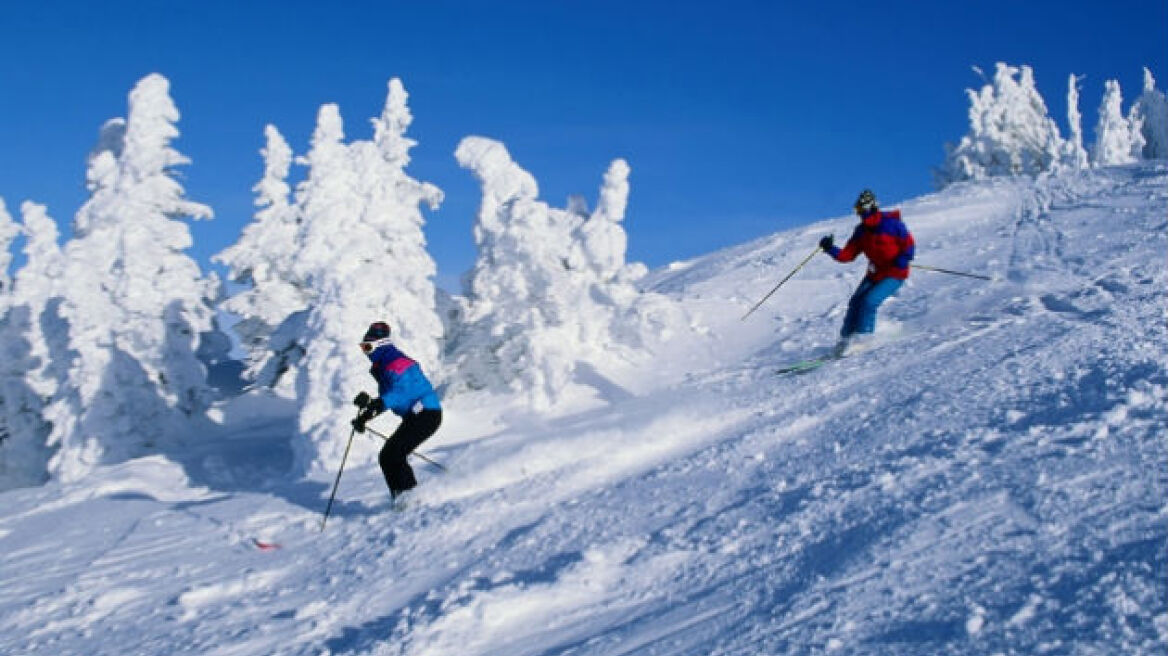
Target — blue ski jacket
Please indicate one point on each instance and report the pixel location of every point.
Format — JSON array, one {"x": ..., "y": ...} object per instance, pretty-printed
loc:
[{"x": 400, "y": 382}]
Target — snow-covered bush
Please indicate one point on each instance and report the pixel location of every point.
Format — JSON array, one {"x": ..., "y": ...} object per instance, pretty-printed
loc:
[
  {"x": 1010, "y": 131},
  {"x": 550, "y": 287},
  {"x": 133, "y": 303},
  {"x": 1150, "y": 111},
  {"x": 1118, "y": 140}
]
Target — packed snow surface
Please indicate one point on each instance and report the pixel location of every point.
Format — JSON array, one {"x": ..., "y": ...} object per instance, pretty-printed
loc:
[{"x": 989, "y": 478}]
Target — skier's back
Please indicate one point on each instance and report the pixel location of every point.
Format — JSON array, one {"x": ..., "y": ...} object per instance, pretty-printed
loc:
[{"x": 403, "y": 389}]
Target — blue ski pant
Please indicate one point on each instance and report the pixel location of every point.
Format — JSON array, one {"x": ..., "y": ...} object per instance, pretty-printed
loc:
[{"x": 861, "y": 316}]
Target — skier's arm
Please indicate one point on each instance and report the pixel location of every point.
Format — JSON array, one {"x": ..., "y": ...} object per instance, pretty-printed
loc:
[{"x": 850, "y": 249}]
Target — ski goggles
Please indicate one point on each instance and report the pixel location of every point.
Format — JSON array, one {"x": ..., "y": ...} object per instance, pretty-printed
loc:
[{"x": 368, "y": 347}]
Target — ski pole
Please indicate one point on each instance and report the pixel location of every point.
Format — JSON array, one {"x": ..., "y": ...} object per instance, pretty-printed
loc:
[
  {"x": 338, "y": 481},
  {"x": 926, "y": 267},
  {"x": 412, "y": 453},
  {"x": 776, "y": 288}
]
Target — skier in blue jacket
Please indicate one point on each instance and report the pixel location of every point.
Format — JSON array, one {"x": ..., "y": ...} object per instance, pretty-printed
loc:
[{"x": 403, "y": 389}]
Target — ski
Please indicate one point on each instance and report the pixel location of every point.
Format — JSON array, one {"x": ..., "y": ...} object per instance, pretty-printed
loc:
[{"x": 806, "y": 365}]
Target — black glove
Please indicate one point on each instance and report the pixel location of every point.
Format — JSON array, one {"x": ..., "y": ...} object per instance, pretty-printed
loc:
[
  {"x": 361, "y": 400},
  {"x": 371, "y": 410},
  {"x": 826, "y": 243}
]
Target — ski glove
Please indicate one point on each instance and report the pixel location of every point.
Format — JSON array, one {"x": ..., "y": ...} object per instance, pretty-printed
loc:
[
  {"x": 826, "y": 243},
  {"x": 371, "y": 410},
  {"x": 901, "y": 261}
]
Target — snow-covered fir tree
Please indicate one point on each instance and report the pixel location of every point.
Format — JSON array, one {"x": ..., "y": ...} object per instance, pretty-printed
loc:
[
  {"x": 37, "y": 287},
  {"x": 358, "y": 255},
  {"x": 370, "y": 263},
  {"x": 602, "y": 241},
  {"x": 8, "y": 232},
  {"x": 134, "y": 303},
  {"x": 1118, "y": 140},
  {"x": 640, "y": 319},
  {"x": 1075, "y": 154},
  {"x": 1150, "y": 111},
  {"x": 27, "y": 375},
  {"x": 515, "y": 326},
  {"x": 1010, "y": 131},
  {"x": 16, "y": 461},
  {"x": 391, "y": 208},
  {"x": 264, "y": 262},
  {"x": 550, "y": 287}
]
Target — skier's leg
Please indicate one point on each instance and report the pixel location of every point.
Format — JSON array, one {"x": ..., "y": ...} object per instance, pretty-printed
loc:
[
  {"x": 867, "y": 306},
  {"x": 414, "y": 430},
  {"x": 398, "y": 475},
  {"x": 852, "y": 318}
]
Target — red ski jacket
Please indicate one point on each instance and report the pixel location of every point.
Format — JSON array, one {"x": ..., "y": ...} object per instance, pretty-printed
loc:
[{"x": 885, "y": 240}]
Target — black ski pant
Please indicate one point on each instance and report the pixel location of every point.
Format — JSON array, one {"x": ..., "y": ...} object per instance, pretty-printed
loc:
[{"x": 414, "y": 430}]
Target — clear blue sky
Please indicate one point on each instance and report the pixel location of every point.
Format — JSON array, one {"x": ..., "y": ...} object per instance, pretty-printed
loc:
[{"x": 738, "y": 118}]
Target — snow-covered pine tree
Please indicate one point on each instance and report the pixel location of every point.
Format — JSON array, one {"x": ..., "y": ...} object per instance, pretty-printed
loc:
[
  {"x": 601, "y": 241},
  {"x": 550, "y": 288},
  {"x": 264, "y": 260},
  {"x": 27, "y": 376},
  {"x": 392, "y": 207},
  {"x": 640, "y": 320},
  {"x": 1150, "y": 111},
  {"x": 1010, "y": 131},
  {"x": 16, "y": 461},
  {"x": 1117, "y": 139},
  {"x": 517, "y": 323},
  {"x": 8, "y": 232},
  {"x": 134, "y": 303},
  {"x": 363, "y": 253},
  {"x": 1075, "y": 154}
]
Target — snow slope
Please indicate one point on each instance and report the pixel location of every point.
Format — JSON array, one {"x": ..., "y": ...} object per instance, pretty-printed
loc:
[{"x": 990, "y": 479}]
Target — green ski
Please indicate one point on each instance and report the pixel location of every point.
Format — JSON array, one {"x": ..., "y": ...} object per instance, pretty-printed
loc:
[{"x": 806, "y": 365}]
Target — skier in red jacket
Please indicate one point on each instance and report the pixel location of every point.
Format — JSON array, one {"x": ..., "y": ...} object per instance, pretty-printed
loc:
[{"x": 888, "y": 245}]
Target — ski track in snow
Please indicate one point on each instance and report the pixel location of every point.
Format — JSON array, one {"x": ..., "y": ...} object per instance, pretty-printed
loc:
[{"x": 990, "y": 479}]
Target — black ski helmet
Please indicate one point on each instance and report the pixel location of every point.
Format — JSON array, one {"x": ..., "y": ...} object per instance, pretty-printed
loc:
[
  {"x": 866, "y": 203},
  {"x": 377, "y": 330}
]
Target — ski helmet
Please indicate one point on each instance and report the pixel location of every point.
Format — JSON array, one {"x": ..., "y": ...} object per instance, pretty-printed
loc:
[
  {"x": 377, "y": 330},
  {"x": 866, "y": 203}
]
